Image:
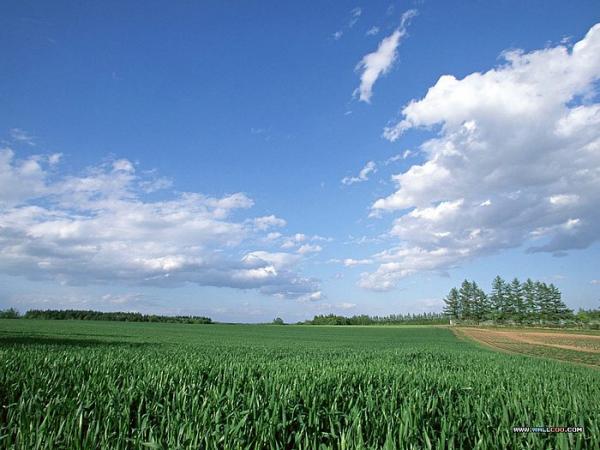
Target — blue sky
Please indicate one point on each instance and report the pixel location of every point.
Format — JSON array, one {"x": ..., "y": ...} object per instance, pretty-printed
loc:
[{"x": 253, "y": 159}]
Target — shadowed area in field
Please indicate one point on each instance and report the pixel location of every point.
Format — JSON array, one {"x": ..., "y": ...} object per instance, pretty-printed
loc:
[{"x": 66, "y": 342}]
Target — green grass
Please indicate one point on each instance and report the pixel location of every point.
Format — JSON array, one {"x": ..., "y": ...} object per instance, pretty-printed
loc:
[{"x": 70, "y": 384}]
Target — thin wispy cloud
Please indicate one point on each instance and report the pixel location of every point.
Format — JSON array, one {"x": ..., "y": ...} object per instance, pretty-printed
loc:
[
  {"x": 399, "y": 157},
  {"x": 363, "y": 175},
  {"x": 372, "y": 31},
  {"x": 355, "y": 14},
  {"x": 378, "y": 63},
  {"x": 20, "y": 136}
]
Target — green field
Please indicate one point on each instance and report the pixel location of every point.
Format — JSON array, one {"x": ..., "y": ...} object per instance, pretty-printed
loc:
[{"x": 72, "y": 384}]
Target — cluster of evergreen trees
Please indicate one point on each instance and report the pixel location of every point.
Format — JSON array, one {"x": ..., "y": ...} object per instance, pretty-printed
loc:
[
  {"x": 393, "y": 319},
  {"x": 516, "y": 302},
  {"x": 73, "y": 314}
]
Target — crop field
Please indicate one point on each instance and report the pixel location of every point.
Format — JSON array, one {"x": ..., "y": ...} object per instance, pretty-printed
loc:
[
  {"x": 74, "y": 385},
  {"x": 579, "y": 347}
]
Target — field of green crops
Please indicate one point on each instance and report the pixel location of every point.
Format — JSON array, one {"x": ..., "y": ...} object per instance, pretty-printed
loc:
[{"x": 71, "y": 384}]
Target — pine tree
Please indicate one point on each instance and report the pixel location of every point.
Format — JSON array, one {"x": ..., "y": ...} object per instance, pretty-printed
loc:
[
  {"x": 479, "y": 303},
  {"x": 517, "y": 303},
  {"x": 497, "y": 299},
  {"x": 465, "y": 296},
  {"x": 452, "y": 308},
  {"x": 557, "y": 307},
  {"x": 511, "y": 299},
  {"x": 544, "y": 302},
  {"x": 529, "y": 297}
]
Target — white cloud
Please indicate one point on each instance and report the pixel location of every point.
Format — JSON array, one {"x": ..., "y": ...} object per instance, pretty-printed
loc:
[
  {"x": 517, "y": 158},
  {"x": 355, "y": 13},
  {"x": 294, "y": 240},
  {"x": 345, "y": 305},
  {"x": 20, "y": 179},
  {"x": 279, "y": 260},
  {"x": 54, "y": 158},
  {"x": 399, "y": 157},
  {"x": 316, "y": 296},
  {"x": 363, "y": 175},
  {"x": 595, "y": 282},
  {"x": 563, "y": 199},
  {"x": 349, "y": 262},
  {"x": 123, "y": 165},
  {"x": 299, "y": 238},
  {"x": 99, "y": 227},
  {"x": 372, "y": 31},
  {"x": 309, "y": 248},
  {"x": 20, "y": 136},
  {"x": 378, "y": 63},
  {"x": 266, "y": 222}
]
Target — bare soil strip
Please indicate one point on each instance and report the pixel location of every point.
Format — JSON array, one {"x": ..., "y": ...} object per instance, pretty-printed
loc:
[{"x": 564, "y": 346}]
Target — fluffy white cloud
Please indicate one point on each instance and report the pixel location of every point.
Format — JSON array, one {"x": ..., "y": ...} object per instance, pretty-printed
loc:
[
  {"x": 19, "y": 179},
  {"x": 363, "y": 175},
  {"x": 100, "y": 228},
  {"x": 516, "y": 162},
  {"x": 378, "y": 63}
]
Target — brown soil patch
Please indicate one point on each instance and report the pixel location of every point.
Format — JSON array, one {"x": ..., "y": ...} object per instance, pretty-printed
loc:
[
  {"x": 558, "y": 346},
  {"x": 504, "y": 339},
  {"x": 580, "y": 344}
]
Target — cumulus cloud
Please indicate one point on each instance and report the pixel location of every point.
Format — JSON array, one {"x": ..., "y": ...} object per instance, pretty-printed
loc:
[
  {"x": 363, "y": 175},
  {"x": 99, "y": 227},
  {"x": 379, "y": 62},
  {"x": 516, "y": 162}
]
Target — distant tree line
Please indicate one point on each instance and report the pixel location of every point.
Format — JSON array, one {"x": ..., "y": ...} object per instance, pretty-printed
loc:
[
  {"x": 393, "y": 319},
  {"x": 514, "y": 302},
  {"x": 10, "y": 313},
  {"x": 73, "y": 314}
]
